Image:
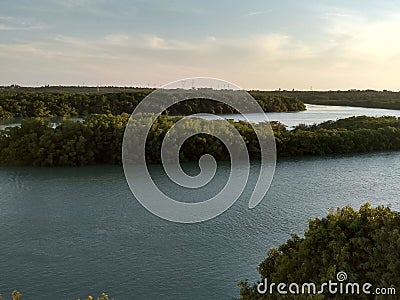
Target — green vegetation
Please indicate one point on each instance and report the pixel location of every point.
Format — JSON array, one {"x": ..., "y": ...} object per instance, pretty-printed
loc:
[
  {"x": 350, "y": 135},
  {"x": 103, "y": 296},
  {"x": 74, "y": 89},
  {"x": 367, "y": 98},
  {"x": 18, "y": 101},
  {"x": 15, "y": 295},
  {"x": 37, "y": 103},
  {"x": 40, "y": 104},
  {"x": 98, "y": 140},
  {"x": 277, "y": 103},
  {"x": 365, "y": 244}
]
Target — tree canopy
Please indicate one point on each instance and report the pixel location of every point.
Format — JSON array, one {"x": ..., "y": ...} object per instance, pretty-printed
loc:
[
  {"x": 36, "y": 103},
  {"x": 360, "y": 98},
  {"x": 98, "y": 140},
  {"x": 365, "y": 244}
]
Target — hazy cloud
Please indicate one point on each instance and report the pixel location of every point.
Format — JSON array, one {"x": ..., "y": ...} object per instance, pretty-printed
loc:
[
  {"x": 257, "y": 13},
  {"x": 343, "y": 48}
]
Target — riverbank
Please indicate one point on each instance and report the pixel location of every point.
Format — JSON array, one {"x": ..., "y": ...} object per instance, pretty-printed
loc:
[
  {"x": 358, "y": 98},
  {"x": 98, "y": 140}
]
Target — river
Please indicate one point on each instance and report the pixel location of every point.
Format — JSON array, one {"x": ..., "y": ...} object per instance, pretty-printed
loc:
[
  {"x": 313, "y": 114},
  {"x": 68, "y": 232}
]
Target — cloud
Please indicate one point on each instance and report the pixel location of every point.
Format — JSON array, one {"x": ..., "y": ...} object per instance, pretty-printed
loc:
[
  {"x": 98, "y": 8},
  {"x": 349, "y": 50},
  {"x": 117, "y": 39},
  {"x": 157, "y": 43},
  {"x": 238, "y": 59},
  {"x": 5, "y": 27},
  {"x": 372, "y": 40},
  {"x": 11, "y": 23},
  {"x": 257, "y": 13}
]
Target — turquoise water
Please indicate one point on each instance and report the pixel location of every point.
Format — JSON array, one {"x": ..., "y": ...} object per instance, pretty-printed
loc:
[{"x": 70, "y": 232}]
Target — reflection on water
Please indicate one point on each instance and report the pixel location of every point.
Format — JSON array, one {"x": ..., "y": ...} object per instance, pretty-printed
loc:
[{"x": 316, "y": 114}]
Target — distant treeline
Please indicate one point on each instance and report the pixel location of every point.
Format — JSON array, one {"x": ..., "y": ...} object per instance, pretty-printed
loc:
[
  {"x": 98, "y": 140},
  {"x": 37, "y": 103},
  {"x": 75, "y": 89},
  {"x": 17, "y": 101},
  {"x": 364, "y": 98}
]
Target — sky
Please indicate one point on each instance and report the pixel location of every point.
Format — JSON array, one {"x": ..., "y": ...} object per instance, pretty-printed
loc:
[{"x": 261, "y": 44}]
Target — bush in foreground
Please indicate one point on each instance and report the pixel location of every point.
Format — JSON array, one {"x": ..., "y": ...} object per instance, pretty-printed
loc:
[
  {"x": 365, "y": 244},
  {"x": 15, "y": 295}
]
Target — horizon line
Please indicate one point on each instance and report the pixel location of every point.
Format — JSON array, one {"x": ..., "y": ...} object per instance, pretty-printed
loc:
[{"x": 17, "y": 86}]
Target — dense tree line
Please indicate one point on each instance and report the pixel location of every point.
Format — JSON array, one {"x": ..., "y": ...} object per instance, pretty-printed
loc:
[
  {"x": 350, "y": 135},
  {"x": 44, "y": 104},
  {"x": 360, "y": 98},
  {"x": 35, "y": 142},
  {"x": 39, "y": 104},
  {"x": 65, "y": 101},
  {"x": 99, "y": 140},
  {"x": 365, "y": 244},
  {"x": 75, "y": 89}
]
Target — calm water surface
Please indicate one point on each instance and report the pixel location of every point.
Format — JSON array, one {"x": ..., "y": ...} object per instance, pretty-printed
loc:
[
  {"x": 68, "y": 232},
  {"x": 314, "y": 114}
]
